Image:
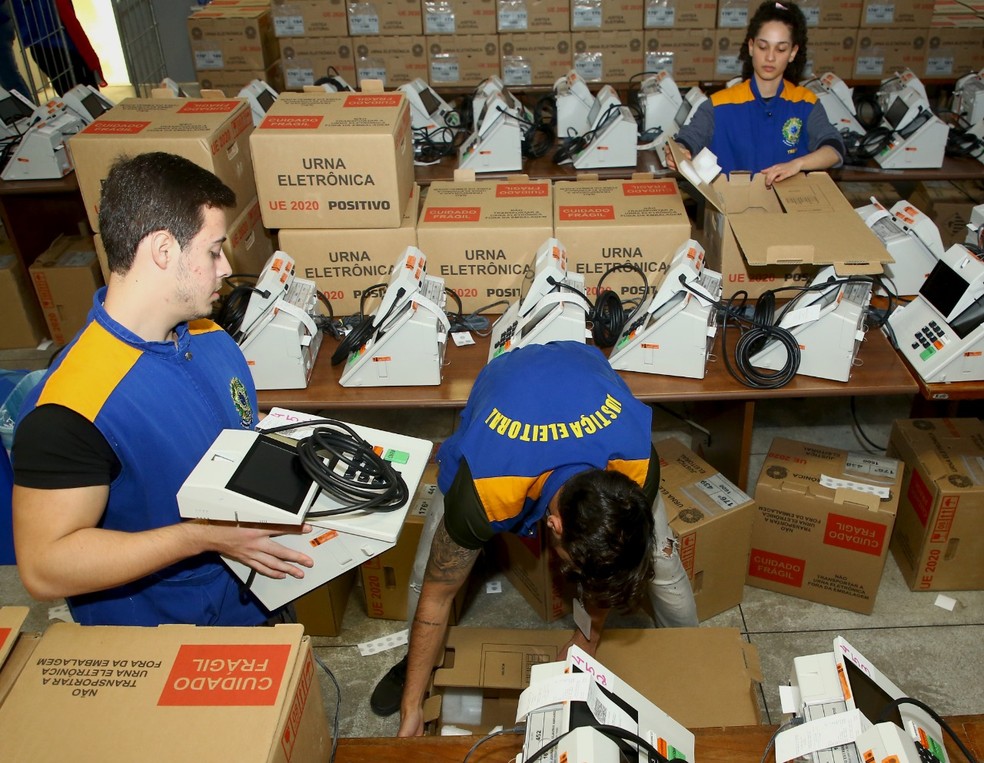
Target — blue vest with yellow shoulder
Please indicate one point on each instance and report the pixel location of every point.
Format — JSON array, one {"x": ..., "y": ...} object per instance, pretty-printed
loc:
[
  {"x": 159, "y": 405},
  {"x": 751, "y": 133},
  {"x": 537, "y": 416}
]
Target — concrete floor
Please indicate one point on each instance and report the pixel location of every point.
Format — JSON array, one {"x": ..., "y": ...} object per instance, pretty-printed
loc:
[{"x": 933, "y": 654}]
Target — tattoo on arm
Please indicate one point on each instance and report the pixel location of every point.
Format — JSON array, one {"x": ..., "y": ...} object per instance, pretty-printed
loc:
[{"x": 449, "y": 562}]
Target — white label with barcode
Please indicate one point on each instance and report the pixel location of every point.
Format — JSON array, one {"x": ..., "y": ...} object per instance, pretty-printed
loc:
[
  {"x": 939, "y": 65},
  {"x": 869, "y": 65},
  {"x": 862, "y": 463},
  {"x": 880, "y": 13},
  {"x": 208, "y": 59},
  {"x": 588, "y": 66},
  {"x": 812, "y": 16},
  {"x": 836, "y": 483},
  {"x": 658, "y": 16},
  {"x": 298, "y": 76},
  {"x": 586, "y": 17},
  {"x": 444, "y": 71},
  {"x": 517, "y": 74},
  {"x": 513, "y": 21},
  {"x": 734, "y": 18},
  {"x": 728, "y": 66},
  {"x": 288, "y": 26},
  {"x": 722, "y": 492},
  {"x": 364, "y": 24},
  {"x": 372, "y": 72},
  {"x": 440, "y": 23}
]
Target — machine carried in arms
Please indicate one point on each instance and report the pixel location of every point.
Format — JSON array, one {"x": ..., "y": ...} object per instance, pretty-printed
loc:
[
  {"x": 278, "y": 334},
  {"x": 553, "y": 308},
  {"x": 407, "y": 334},
  {"x": 941, "y": 332},
  {"x": 675, "y": 329}
]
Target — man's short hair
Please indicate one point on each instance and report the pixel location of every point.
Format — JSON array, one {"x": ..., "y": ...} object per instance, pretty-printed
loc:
[
  {"x": 609, "y": 534},
  {"x": 155, "y": 192}
]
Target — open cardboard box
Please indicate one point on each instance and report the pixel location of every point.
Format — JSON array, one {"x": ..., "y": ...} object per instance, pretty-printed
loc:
[
  {"x": 15, "y": 647},
  {"x": 799, "y": 223},
  {"x": 671, "y": 667},
  {"x": 174, "y": 692}
]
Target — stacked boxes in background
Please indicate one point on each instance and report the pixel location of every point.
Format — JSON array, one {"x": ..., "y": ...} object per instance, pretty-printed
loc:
[
  {"x": 823, "y": 524},
  {"x": 213, "y": 134},
  {"x": 313, "y": 40},
  {"x": 233, "y": 44},
  {"x": 23, "y": 324},
  {"x": 66, "y": 277}
]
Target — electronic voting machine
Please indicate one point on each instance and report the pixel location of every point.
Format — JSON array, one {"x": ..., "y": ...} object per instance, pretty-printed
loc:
[
  {"x": 249, "y": 477},
  {"x": 940, "y": 332},
  {"x": 910, "y": 236},
  {"x": 553, "y": 309},
  {"x": 278, "y": 334},
  {"x": 675, "y": 327},
  {"x": 409, "y": 331}
]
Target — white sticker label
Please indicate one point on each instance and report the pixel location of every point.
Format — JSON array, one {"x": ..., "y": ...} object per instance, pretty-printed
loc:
[
  {"x": 812, "y": 15},
  {"x": 298, "y": 77},
  {"x": 658, "y": 16},
  {"x": 880, "y": 13},
  {"x": 836, "y": 483},
  {"x": 728, "y": 66},
  {"x": 439, "y": 23},
  {"x": 384, "y": 643},
  {"x": 462, "y": 338},
  {"x": 208, "y": 59},
  {"x": 372, "y": 72},
  {"x": 288, "y": 26},
  {"x": 586, "y": 17},
  {"x": 869, "y": 66},
  {"x": 657, "y": 62},
  {"x": 364, "y": 24},
  {"x": 939, "y": 66},
  {"x": 581, "y": 618},
  {"x": 513, "y": 20},
  {"x": 518, "y": 73},
  {"x": 873, "y": 466},
  {"x": 722, "y": 492},
  {"x": 733, "y": 18},
  {"x": 588, "y": 65},
  {"x": 445, "y": 71}
]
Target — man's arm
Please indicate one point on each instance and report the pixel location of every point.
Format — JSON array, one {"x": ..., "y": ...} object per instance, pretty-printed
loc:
[
  {"x": 598, "y": 616},
  {"x": 447, "y": 570},
  {"x": 62, "y": 552}
]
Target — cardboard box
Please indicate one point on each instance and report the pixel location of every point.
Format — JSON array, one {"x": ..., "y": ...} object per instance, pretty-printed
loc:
[
  {"x": 322, "y": 610},
  {"x": 462, "y": 59},
  {"x": 248, "y": 243},
  {"x": 954, "y": 52},
  {"x": 712, "y": 519},
  {"x": 938, "y": 541},
  {"x": 735, "y": 14},
  {"x": 533, "y": 16},
  {"x": 384, "y": 17},
  {"x": 230, "y": 81},
  {"x": 881, "y": 52},
  {"x": 232, "y": 38},
  {"x": 448, "y": 17},
  {"x": 213, "y": 134},
  {"x": 689, "y": 659},
  {"x": 334, "y": 160},
  {"x": 345, "y": 262},
  {"x": 386, "y": 578},
  {"x": 760, "y": 238},
  {"x": 534, "y": 59},
  {"x": 534, "y": 570},
  {"x": 65, "y": 278},
  {"x": 606, "y": 15},
  {"x": 678, "y": 14},
  {"x": 15, "y": 647},
  {"x": 23, "y": 323},
  {"x": 309, "y": 18},
  {"x": 603, "y": 223},
  {"x": 831, "y": 49},
  {"x": 245, "y": 694},
  {"x": 392, "y": 60},
  {"x": 821, "y": 531},
  {"x": 896, "y": 13},
  {"x": 949, "y": 204},
  {"x": 687, "y": 54},
  {"x": 305, "y": 60},
  {"x": 727, "y": 46},
  {"x": 607, "y": 56},
  {"x": 481, "y": 237}
]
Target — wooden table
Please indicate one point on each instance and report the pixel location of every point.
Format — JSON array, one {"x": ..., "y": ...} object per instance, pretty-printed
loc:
[
  {"x": 719, "y": 402},
  {"x": 716, "y": 745}
]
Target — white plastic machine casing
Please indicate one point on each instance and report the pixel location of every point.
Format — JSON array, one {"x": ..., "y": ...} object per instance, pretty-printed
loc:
[
  {"x": 280, "y": 339},
  {"x": 918, "y": 136},
  {"x": 950, "y": 303},
  {"x": 428, "y": 111},
  {"x": 660, "y": 100},
  {"x": 968, "y": 97},
  {"x": 574, "y": 102},
  {"x": 260, "y": 97},
  {"x": 408, "y": 343},
  {"x": 549, "y": 312},
  {"x": 828, "y": 325},
  {"x": 497, "y": 144},
  {"x": 675, "y": 329},
  {"x": 975, "y": 228},
  {"x": 41, "y": 153},
  {"x": 838, "y": 102},
  {"x": 614, "y": 134},
  {"x": 910, "y": 236}
]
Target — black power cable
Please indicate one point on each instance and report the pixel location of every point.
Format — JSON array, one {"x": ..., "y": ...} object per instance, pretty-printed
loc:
[
  {"x": 887, "y": 711},
  {"x": 612, "y": 732}
]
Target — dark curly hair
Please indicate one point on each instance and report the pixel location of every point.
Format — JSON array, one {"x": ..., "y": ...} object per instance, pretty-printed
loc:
[
  {"x": 609, "y": 535},
  {"x": 790, "y": 15},
  {"x": 152, "y": 192}
]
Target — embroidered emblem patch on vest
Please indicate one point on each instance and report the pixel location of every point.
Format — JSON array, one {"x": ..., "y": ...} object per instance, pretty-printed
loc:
[
  {"x": 240, "y": 398},
  {"x": 791, "y": 131}
]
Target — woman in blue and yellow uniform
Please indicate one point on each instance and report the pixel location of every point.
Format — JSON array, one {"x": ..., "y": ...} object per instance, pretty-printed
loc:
[{"x": 767, "y": 123}]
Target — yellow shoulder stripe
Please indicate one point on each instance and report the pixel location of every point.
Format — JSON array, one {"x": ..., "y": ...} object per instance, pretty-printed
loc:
[
  {"x": 90, "y": 372},
  {"x": 203, "y": 326},
  {"x": 503, "y": 497},
  {"x": 795, "y": 93},
  {"x": 740, "y": 93},
  {"x": 636, "y": 470}
]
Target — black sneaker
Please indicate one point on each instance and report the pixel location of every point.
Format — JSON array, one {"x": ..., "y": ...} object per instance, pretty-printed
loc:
[{"x": 385, "y": 699}]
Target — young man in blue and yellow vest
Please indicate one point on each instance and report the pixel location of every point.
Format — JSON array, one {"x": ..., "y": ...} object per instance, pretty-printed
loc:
[
  {"x": 126, "y": 411},
  {"x": 549, "y": 432},
  {"x": 767, "y": 123}
]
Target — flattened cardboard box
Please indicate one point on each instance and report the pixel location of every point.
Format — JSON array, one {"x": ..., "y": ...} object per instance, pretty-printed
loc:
[
  {"x": 213, "y": 134},
  {"x": 23, "y": 324},
  {"x": 15, "y": 647},
  {"x": 712, "y": 519},
  {"x": 938, "y": 541},
  {"x": 821, "y": 531},
  {"x": 604, "y": 223},
  {"x": 688, "y": 659},
  {"x": 334, "y": 160},
  {"x": 481, "y": 236},
  {"x": 345, "y": 262},
  {"x": 66, "y": 277},
  {"x": 123, "y": 694}
]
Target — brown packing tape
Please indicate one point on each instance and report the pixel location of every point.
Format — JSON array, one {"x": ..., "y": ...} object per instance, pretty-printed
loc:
[
  {"x": 845, "y": 495},
  {"x": 372, "y": 86}
]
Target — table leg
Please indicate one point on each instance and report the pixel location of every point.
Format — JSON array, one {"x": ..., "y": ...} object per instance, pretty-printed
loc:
[{"x": 729, "y": 449}]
